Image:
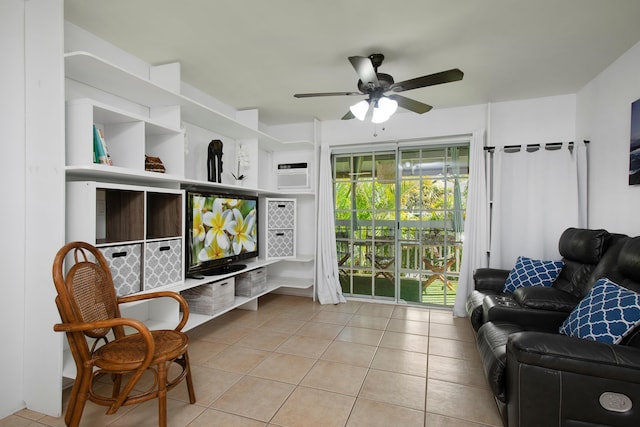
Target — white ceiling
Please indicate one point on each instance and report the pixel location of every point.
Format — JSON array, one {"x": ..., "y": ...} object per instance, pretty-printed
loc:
[{"x": 258, "y": 53}]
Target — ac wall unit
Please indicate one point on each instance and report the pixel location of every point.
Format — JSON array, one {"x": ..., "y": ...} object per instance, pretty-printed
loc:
[{"x": 292, "y": 176}]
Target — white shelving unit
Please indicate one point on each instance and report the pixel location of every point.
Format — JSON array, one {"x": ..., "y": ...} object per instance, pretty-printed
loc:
[{"x": 129, "y": 136}]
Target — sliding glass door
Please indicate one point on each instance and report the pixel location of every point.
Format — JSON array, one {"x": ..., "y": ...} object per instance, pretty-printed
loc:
[
  {"x": 400, "y": 222},
  {"x": 365, "y": 200}
]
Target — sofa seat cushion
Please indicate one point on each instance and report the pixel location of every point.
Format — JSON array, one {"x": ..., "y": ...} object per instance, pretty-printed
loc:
[
  {"x": 607, "y": 314},
  {"x": 492, "y": 345},
  {"x": 532, "y": 272}
]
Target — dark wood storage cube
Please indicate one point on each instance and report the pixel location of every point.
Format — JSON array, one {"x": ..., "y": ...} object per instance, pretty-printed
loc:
[
  {"x": 164, "y": 215},
  {"x": 124, "y": 214}
]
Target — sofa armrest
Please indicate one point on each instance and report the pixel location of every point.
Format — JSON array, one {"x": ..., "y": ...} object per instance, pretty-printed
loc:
[
  {"x": 575, "y": 355},
  {"x": 497, "y": 308},
  {"x": 555, "y": 380},
  {"x": 490, "y": 278},
  {"x": 545, "y": 298}
]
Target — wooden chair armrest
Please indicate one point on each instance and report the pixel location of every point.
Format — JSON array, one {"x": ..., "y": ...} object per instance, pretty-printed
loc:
[
  {"x": 100, "y": 324},
  {"x": 161, "y": 294}
]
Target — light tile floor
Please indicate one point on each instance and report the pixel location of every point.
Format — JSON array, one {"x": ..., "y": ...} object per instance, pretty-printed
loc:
[{"x": 294, "y": 362}]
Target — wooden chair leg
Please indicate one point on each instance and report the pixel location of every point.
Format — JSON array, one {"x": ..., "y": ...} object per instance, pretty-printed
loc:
[
  {"x": 162, "y": 394},
  {"x": 190, "y": 388},
  {"x": 117, "y": 383},
  {"x": 449, "y": 285},
  {"x": 429, "y": 281},
  {"x": 73, "y": 399},
  {"x": 77, "y": 402}
]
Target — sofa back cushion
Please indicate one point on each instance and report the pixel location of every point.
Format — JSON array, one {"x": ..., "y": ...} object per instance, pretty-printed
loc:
[
  {"x": 629, "y": 264},
  {"x": 583, "y": 245},
  {"x": 581, "y": 250},
  {"x": 609, "y": 266}
]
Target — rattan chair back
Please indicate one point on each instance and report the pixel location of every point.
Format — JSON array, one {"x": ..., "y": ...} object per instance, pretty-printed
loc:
[{"x": 87, "y": 292}]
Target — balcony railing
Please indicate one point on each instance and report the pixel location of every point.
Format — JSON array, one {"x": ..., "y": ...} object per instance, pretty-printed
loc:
[{"x": 427, "y": 267}]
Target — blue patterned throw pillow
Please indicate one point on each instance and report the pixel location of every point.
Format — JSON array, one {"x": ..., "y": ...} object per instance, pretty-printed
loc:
[
  {"x": 532, "y": 272},
  {"x": 607, "y": 314}
]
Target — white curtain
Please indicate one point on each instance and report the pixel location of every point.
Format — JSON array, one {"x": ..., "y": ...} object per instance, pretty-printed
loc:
[
  {"x": 476, "y": 224},
  {"x": 536, "y": 196},
  {"x": 327, "y": 280}
]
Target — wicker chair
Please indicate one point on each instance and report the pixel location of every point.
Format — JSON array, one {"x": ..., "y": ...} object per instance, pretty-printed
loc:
[{"x": 90, "y": 315}]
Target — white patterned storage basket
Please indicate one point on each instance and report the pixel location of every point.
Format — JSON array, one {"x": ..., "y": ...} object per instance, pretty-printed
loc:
[
  {"x": 281, "y": 213},
  {"x": 163, "y": 263},
  {"x": 125, "y": 263},
  {"x": 280, "y": 243}
]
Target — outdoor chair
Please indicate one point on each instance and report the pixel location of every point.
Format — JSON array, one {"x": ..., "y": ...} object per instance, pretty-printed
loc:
[
  {"x": 439, "y": 269},
  {"x": 90, "y": 313}
]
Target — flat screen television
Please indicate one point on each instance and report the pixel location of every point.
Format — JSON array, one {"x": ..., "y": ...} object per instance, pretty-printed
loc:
[{"x": 222, "y": 229}]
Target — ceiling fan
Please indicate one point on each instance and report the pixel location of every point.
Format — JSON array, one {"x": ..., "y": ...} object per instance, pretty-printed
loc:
[{"x": 375, "y": 85}]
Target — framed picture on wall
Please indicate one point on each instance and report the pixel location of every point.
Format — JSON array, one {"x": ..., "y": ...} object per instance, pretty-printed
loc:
[{"x": 634, "y": 147}]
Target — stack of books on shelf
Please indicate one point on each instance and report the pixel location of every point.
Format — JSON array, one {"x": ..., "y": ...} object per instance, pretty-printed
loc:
[{"x": 100, "y": 151}]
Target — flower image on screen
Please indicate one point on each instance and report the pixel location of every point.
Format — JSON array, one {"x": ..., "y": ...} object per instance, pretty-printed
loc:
[{"x": 222, "y": 227}]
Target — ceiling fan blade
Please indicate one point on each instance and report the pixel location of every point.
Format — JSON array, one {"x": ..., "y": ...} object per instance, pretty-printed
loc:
[
  {"x": 411, "y": 104},
  {"x": 429, "y": 80},
  {"x": 310, "y": 95},
  {"x": 365, "y": 70},
  {"x": 348, "y": 116}
]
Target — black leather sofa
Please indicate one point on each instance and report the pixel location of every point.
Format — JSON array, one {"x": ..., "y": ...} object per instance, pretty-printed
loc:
[
  {"x": 540, "y": 377},
  {"x": 540, "y": 306}
]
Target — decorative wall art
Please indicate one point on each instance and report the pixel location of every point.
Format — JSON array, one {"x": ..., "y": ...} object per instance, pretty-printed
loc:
[{"x": 634, "y": 146}]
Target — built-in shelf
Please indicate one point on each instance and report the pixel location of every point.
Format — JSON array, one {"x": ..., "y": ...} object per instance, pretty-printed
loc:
[
  {"x": 99, "y": 172},
  {"x": 273, "y": 284},
  {"x": 251, "y": 265},
  {"x": 300, "y": 258},
  {"x": 93, "y": 71}
]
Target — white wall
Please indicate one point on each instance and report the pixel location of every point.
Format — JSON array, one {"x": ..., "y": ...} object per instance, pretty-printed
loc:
[
  {"x": 12, "y": 208},
  {"x": 32, "y": 170},
  {"x": 604, "y": 117},
  {"x": 529, "y": 121},
  {"x": 532, "y": 121},
  {"x": 44, "y": 187}
]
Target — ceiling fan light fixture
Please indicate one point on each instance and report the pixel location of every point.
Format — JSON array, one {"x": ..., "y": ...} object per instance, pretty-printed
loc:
[
  {"x": 384, "y": 109},
  {"x": 360, "y": 109}
]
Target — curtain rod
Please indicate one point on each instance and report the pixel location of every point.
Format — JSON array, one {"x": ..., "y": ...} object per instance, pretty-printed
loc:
[
  {"x": 528, "y": 146},
  {"x": 454, "y": 138}
]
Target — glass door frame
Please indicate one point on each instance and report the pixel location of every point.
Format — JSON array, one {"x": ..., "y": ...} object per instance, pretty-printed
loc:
[{"x": 377, "y": 265}]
